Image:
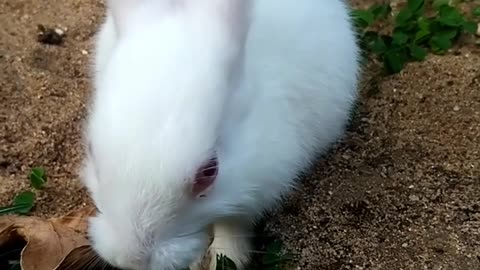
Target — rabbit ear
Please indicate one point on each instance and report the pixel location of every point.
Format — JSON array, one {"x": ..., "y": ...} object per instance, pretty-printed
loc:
[
  {"x": 123, "y": 10},
  {"x": 231, "y": 14}
]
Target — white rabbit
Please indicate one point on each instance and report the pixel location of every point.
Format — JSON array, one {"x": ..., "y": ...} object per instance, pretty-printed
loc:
[{"x": 205, "y": 112}]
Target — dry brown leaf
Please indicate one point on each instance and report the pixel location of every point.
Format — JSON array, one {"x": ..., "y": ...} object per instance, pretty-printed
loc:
[
  {"x": 82, "y": 257},
  {"x": 48, "y": 242},
  {"x": 57, "y": 243},
  {"x": 77, "y": 219}
]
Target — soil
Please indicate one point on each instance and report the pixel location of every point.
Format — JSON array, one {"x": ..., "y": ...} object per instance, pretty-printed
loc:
[{"x": 400, "y": 191}]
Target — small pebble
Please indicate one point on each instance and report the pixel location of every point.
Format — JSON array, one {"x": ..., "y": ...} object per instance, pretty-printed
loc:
[
  {"x": 59, "y": 31},
  {"x": 84, "y": 52},
  {"x": 413, "y": 198},
  {"x": 456, "y": 108}
]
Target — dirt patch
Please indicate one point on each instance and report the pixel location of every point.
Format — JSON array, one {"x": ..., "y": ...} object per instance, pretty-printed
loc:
[
  {"x": 42, "y": 99},
  {"x": 401, "y": 191}
]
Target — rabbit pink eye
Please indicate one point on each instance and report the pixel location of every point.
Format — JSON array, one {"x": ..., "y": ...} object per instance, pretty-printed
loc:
[
  {"x": 211, "y": 169},
  {"x": 205, "y": 178}
]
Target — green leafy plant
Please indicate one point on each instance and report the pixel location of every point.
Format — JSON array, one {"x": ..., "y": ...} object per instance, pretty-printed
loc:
[
  {"x": 414, "y": 32},
  {"x": 38, "y": 177},
  {"x": 476, "y": 12},
  {"x": 273, "y": 259},
  {"x": 224, "y": 263},
  {"x": 24, "y": 202}
]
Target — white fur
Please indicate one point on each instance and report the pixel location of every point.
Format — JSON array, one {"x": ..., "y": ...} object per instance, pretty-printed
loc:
[
  {"x": 166, "y": 100},
  {"x": 105, "y": 43}
]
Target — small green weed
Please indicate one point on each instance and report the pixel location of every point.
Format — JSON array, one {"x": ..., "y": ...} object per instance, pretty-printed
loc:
[
  {"x": 224, "y": 263},
  {"x": 273, "y": 259},
  {"x": 38, "y": 178},
  {"x": 415, "y": 33},
  {"x": 24, "y": 202},
  {"x": 476, "y": 12}
]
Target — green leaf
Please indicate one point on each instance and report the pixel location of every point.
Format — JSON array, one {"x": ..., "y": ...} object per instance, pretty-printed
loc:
[
  {"x": 378, "y": 46},
  {"x": 422, "y": 32},
  {"x": 38, "y": 177},
  {"x": 14, "y": 209},
  {"x": 403, "y": 17},
  {"x": 363, "y": 18},
  {"x": 450, "y": 16},
  {"x": 380, "y": 11},
  {"x": 440, "y": 44},
  {"x": 416, "y": 52},
  {"x": 438, "y": 3},
  {"x": 272, "y": 257},
  {"x": 408, "y": 15},
  {"x": 22, "y": 204},
  {"x": 25, "y": 199},
  {"x": 443, "y": 40},
  {"x": 399, "y": 38},
  {"x": 224, "y": 263},
  {"x": 448, "y": 33},
  {"x": 470, "y": 27},
  {"x": 393, "y": 61},
  {"x": 374, "y": 43},
  {"x": 275, "y": 247},
  {"x": 476, "y": 12},
  {"x": 367, "y": 40},
  {"x": 416, "y": 6}
]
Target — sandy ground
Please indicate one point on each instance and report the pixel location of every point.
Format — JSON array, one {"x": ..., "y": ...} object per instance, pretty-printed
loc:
[{"x": 401, "y": 191}]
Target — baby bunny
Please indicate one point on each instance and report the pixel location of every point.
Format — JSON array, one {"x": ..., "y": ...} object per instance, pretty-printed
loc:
[{"x": 205, "y": 112}]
